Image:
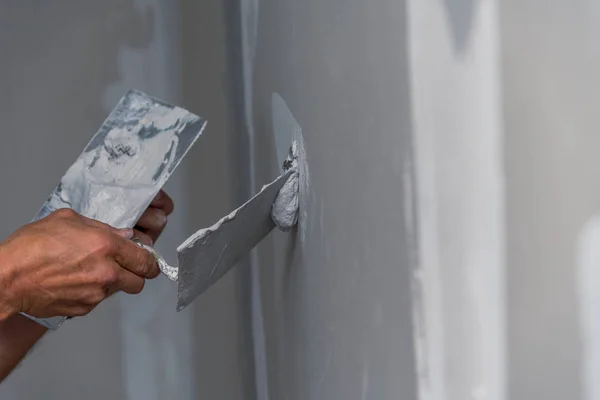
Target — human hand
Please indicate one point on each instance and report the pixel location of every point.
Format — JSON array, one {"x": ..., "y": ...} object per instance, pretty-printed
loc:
[
  {"x": 154, "y": 219},
  {"x": 66, "y": 264}
]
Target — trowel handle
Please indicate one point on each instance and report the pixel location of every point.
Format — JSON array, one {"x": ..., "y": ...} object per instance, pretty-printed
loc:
[{"x": 168, "y": 270}]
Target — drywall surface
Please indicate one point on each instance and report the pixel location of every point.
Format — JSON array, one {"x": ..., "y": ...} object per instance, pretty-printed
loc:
[
  {"x": 64, "y": 66},
  {"x": 550, "y": 66},
  {"x": 336, "y": 294},
  {"x": 456, "y": 103}
]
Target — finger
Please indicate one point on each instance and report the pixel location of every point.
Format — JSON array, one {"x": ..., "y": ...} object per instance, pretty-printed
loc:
[
  {"x": 143, "y": 237},
  {"x": 163, "y": 202},
  {"x": 69, "y": 309},
  {"x": 153, "y": 220},
  {"x": 126, "y": 233},
  {"x": 95, "y": 223},
  {"x": 128, "y": 282},
  {"x": 135, "y": 259}
]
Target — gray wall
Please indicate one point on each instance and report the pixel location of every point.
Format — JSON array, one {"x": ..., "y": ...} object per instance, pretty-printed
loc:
[
  {"x": 63, "y": 67},
  {"x": 336, "y": 294}
]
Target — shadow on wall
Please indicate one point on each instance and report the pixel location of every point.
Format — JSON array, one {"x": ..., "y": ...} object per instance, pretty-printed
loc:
[
  {"x": 72, "y": 55},
  {"x": 59, "y": 61},
  {"x": 461, "y": 15}
]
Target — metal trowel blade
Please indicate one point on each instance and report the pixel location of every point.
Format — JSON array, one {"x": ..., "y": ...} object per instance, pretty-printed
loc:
[
  {"x": 210, "y": 253},
  {"x": 125, "y": 164}
]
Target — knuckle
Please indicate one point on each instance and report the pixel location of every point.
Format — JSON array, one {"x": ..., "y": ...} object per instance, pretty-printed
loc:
[
  {"x": 169, "y": 203},
  {"x": 94, "y": 297},
  {"x": 138, "y": 289},
  {"x": 81, "y": 311},
  {"x": 155, "y": 271},
  {"x": 144, "y": 267},
  {"x": 150, "y": 267},
  {"x": 144, "y": 238},
  {"x": 108, "y": 278},
  {"x": 102, "y": 243},
  {"x": 64, "y": 213}
]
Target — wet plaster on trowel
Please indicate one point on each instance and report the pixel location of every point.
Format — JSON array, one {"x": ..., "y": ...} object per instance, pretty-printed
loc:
[
  {"x": 206, "y": 256},
  {"x": 83, "y": 187},
  {"x": 285, "y": 207}
]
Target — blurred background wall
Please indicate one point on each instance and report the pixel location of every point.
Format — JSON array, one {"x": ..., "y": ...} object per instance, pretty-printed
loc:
[{"x": 550, "y": 61}]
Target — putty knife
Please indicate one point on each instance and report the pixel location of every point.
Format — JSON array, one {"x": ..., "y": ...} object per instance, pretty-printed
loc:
[
  {"x": 125, "y": 165},
  {"x": 210, "y": 253}
]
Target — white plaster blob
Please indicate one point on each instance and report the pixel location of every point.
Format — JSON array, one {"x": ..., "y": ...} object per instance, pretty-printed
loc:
[
  {"x": 286, "y": 129},
  {"x": 168, "y": 270},
  {"x": 285, "y": 208}
]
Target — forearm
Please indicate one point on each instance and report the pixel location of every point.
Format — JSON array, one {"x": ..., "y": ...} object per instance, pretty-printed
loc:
[{"x": 18, "y": 334}]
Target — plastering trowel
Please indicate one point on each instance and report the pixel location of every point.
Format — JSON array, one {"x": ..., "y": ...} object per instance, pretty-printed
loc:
[
  {"x": 210, "y": 253},
  {"x": 125, "y": 164}
]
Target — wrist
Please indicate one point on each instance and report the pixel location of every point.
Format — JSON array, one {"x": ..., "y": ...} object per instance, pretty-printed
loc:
[{"x": 7, "y": 298}]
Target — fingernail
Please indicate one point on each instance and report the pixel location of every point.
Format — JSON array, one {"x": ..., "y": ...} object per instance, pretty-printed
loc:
[
  {"x": 126, "y": 233},
  {"x": 161, "y": 217}
]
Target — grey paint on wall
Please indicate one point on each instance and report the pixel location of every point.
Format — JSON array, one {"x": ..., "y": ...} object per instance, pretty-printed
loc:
[{"x": 336, "y": 305}]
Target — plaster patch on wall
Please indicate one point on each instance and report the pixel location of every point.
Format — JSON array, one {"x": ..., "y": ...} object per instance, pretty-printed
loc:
[
  {"x": 587, "y": 278},
  {"x": 286, "y": 130}
]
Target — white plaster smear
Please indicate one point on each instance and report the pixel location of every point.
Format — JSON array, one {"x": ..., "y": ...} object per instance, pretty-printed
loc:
[
  {"x": 285, "y": 208},
  {"x": 127, "y": 166},
  {"x": 286, "y": 129}
]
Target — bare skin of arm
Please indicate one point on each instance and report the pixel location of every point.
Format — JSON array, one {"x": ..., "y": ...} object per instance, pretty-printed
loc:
[{"x": 66, "y": 265}]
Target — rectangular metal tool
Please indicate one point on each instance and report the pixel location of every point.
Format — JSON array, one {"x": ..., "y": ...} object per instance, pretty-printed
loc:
[
  {"x": 125, "y": 164},
  {"x": 210, "y": 253}
]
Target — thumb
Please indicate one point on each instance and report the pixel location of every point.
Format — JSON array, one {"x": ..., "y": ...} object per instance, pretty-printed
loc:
[{"x": 127, "y": 233}]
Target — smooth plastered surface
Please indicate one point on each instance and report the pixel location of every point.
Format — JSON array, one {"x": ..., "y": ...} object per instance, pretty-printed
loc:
[
  {"x": 336, "y": 294},
  {"x": 285, "y": 207}
]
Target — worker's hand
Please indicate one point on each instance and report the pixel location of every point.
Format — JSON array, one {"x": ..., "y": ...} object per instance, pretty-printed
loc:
[
  {"x": 154, "y": 219},
  {"x": 65, "y": 264}
]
